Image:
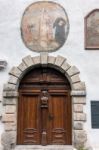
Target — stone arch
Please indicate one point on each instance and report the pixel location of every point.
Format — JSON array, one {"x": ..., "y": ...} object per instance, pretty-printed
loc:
[{"x": 10, "y": 96}]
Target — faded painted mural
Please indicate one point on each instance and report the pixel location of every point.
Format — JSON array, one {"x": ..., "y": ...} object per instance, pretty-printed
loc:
[
  {"x": 92, "y": 30},
  {"x": 45, "y": 26}
]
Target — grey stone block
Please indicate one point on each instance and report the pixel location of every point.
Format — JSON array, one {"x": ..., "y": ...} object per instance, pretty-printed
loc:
[
  {"x": 79, "y": 100},
  {"x": 79, "y": 86},
  {"x": 10, "y": 109},
  {"x": 22, "y": 66},
  {"x": 9, "y": 101},
  {"x": 28, "y": 61},
  {"x": 10, "y": 126},
  {"x": 36, "y": 60},
  {"x": 79, "y": 117},
  {"x": 75, "y": 78},
  {"x": 15, "y": 72},
  {"x": 78, "y": 93},
  {"x": 44, "y": 58},
  {"x": 8, "y": 140},
  {"x": 9, "y": 87},
  {"x": 80, "y": 138},
  {"x": 78, "y": 107},
  {"x": 65, "y": 66},
  {"x": 51, "y": 60},
  {"x": 8, "y": 118},
  {"x": 10, "y": 94},
  {"x": 59, "y": 60},
  {"x": 78, "y": 125},
  {"x": 13, "y": 80},
  {"x": 72, "y": 71}
]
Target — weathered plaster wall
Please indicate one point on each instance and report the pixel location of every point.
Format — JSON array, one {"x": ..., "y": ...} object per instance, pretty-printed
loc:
[{"x": 13, "y": 49}]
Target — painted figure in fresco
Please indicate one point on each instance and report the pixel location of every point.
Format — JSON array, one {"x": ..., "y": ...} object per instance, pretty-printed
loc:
[
  {"x": 45, "y": 29},
  {"x": 60, "y": 34}
]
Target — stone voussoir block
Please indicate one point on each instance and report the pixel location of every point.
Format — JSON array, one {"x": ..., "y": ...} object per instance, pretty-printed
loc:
[
  {"x": 72, "y": 71},
  {"x": 28, "y": 60},
  {"x": 9, "y": 87},
  {"x": 75, "y": 78},
  {"x": 10, "y": 109},
  {"x": 8, "y": 94},
  {"x": 65, "y": 66},
  {"x": 8, "y": 118},
  {"x": 78, "y": 125},
  {"x": 59, "y": 60},
  {"x": 44, "y": 58},
  {"x": 51, "y": 59},
  {"x": 9, "y": 101},
  {"x": 79, "y": 86},
  {"x": 78, "y": 107},
  {"x": 36, "y": 60},
  {"x": 13, "y": 80},
  {"x": 15, "y": 72},
  {"x": 79, "y": 117},
  {"x": 79, "y": 100},
  {"x": 22, "y": 66}
]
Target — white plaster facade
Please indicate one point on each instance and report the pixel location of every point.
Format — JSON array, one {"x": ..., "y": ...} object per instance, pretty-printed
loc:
[{"x": 12, "y": 49}]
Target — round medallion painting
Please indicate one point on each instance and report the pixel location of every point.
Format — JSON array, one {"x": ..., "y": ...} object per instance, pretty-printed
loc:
[{"x": 45, "y": 26}]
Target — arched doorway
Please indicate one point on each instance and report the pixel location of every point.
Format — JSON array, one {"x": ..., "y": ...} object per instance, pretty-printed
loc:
[
  {"x": 44, "y": 108},
  {"x": 11, "y": 96}
]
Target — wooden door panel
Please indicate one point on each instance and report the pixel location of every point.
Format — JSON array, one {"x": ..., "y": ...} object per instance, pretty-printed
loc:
[
  {"x": 57, "y": 119},
  {"x": 37, "y": 123},
  {"x": 29, "y": 129}
]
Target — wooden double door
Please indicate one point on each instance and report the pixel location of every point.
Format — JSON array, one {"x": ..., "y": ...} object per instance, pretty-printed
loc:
[{"x": 44, "y": 109}]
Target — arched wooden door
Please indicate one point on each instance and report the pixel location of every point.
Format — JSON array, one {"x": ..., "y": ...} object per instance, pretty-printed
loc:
[{"x": 44, "y": 109}]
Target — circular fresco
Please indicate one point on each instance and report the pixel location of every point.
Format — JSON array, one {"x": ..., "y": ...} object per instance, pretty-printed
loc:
[{"x": 44, "y": 26}]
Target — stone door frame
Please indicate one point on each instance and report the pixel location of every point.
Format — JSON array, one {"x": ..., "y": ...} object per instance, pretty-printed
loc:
[{"x": 10, "y": 97}]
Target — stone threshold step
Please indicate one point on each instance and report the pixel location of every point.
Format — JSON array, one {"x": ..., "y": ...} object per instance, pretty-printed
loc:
[{"x": 49, "y": 147}]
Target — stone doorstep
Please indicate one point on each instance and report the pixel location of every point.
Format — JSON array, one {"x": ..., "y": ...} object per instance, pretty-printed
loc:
[{"x": 50, "y": 147}]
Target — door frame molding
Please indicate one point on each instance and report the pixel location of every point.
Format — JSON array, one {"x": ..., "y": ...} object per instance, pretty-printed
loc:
[{"x": 10, "y": 97}]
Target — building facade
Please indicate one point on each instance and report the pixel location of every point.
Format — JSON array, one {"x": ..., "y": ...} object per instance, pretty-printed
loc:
[{"x": 55, "y": 63}]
